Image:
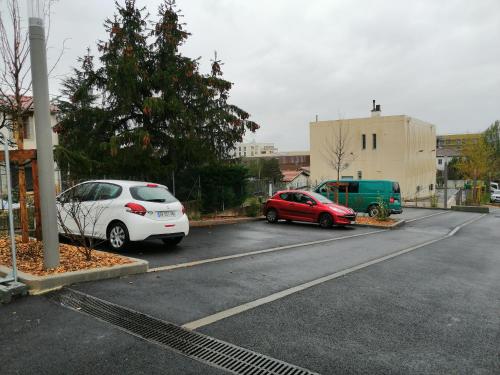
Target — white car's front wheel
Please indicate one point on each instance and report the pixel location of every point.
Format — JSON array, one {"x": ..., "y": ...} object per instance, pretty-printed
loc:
[{"x": 118, "y": 237}]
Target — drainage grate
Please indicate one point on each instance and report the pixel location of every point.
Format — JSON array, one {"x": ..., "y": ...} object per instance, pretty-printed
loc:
[{"x": 195, "y": 345}]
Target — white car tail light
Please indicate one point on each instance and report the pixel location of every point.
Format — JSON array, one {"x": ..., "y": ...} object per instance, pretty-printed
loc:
[{"x": 135, "y": 208}]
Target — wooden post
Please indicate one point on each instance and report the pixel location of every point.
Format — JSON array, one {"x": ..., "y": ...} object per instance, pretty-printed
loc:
[
  {"x": 23, "y": 209},
  {"x": 36, "y": 192}
]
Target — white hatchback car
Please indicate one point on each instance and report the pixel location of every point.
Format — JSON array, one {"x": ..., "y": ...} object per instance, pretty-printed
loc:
[
  {"x": 495, "y": 196},
  {"x": 122, "y": 211}
]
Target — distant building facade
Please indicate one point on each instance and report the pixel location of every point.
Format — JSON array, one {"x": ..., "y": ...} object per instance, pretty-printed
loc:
[
  {"x": 445, "y": 155},
  {"x": 296, "y": 179},
  {"x": 399, "y": 148},
  {"x": 29, "y": 123},
  {"x": 456, "y": 142},
  {"x": 253, "y": 149}
]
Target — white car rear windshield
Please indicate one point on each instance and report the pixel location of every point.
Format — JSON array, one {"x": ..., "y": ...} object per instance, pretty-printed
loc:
[{"x": 152, "y": 194}]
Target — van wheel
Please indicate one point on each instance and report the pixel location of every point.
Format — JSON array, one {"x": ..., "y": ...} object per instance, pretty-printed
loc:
[
  {"x": 373, "y": 210},
  {"x": 272, "y": 216},
  {"x": 325, "y": 221}
]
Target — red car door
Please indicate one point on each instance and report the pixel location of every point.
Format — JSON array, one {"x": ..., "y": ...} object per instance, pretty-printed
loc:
[
  {"x": 304, "y": 211},
  {"x": 283, "y": 204}
]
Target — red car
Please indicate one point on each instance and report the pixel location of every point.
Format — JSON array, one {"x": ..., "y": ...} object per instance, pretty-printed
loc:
[{"x": 298, "y": 205}]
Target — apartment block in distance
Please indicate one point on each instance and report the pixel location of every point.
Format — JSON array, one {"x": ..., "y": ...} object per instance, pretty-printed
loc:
[
  {"x": 456, "y": 142},
  {"x": 399, "y": 148},
  {"x": 253, "y": 149}
]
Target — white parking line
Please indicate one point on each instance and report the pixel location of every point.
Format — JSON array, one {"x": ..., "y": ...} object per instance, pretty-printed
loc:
[
  {"x": 273, "y": 297},
  {"x": 234, "y": 256},
  {"x": 279, "y": 248}
]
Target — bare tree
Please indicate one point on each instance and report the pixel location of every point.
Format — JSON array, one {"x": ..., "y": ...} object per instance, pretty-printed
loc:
[
  {"x": 15, "y": 86},
  {"x": 336, "y": 150},
  {"x": 78, "y": 221}
]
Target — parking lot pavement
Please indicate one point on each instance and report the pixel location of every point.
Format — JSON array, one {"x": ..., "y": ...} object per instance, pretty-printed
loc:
[
  {"x": 184, "y": 295},
  {"x": 222, "y": 240},
  {"x": 415, "y": 213},
  {"x": 352, "y": 324},
  {"x": 434, "y": 310},
  {"x": 39, "y": 337}
]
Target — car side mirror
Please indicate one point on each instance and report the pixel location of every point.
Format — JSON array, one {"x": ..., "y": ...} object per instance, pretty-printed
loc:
[{"x": 310, "y": 203}]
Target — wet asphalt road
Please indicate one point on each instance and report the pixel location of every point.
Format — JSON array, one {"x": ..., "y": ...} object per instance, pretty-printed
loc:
[{"x": 432, "y": 310}]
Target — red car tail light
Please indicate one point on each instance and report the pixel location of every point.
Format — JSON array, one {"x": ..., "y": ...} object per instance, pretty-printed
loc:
[
  {"x": 135, "y": 208},
  {"x": 391, "y": 200}
]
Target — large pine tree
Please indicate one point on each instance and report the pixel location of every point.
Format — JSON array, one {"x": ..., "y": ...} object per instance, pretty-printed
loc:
[{"x": 147, "y": 109}]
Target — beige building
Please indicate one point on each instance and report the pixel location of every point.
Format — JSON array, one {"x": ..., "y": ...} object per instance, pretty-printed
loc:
[{"x": 399, "y": 148}]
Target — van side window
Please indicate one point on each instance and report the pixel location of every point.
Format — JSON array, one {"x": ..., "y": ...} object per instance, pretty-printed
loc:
[
  {"x": 322, "y": 189},
  {"x": 353, "y": 187},
  {"x": 395, "y": 188}
]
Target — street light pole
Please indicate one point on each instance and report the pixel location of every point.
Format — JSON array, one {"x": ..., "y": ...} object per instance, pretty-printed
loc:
[{"x": 45, "y": 156}]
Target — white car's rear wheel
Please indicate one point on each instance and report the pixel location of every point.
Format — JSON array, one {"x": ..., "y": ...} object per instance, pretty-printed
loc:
[{"x": 118, "y": 236}]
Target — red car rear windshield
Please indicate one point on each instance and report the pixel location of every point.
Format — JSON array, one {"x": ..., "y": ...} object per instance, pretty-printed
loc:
[{"x": 152, "y": 194}]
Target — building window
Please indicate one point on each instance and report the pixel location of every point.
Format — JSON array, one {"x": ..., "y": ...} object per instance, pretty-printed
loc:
[
  {"x": 374, "y": 138},
  {"x": 440, "y": 161},
  {"x": 363, "y": 141},
  {"x": 26, "y": 128},
  {"x": 431, "y": 187},
  {"x": 360, "y": 175}
]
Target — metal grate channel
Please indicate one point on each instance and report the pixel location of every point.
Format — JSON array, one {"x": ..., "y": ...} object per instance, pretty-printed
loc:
[{"x": 195, "y": 345}]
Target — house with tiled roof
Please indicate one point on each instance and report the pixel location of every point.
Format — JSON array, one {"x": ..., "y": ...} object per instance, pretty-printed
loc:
[{"x": 296, "y": 179}]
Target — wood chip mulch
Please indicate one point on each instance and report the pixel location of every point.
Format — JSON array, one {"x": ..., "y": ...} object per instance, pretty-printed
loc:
[
  {"x": 30, "y": 258},
  {"x": 372, "y": 221}
]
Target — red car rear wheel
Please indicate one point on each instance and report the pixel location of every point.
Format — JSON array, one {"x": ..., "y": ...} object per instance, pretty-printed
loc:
[{"x": 272, "y": 216}]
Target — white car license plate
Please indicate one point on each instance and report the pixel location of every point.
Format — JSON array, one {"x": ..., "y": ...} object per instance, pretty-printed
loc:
[{"x": 165, "y": 213}]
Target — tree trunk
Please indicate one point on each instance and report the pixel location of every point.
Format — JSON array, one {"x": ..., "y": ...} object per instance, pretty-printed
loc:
[
  {"x": 23, "y": 209},
  {"x": 22, "y": 205}
]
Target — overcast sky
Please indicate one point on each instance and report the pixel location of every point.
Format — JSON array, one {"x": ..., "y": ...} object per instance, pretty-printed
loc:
[{"x": 438, "y": 61}]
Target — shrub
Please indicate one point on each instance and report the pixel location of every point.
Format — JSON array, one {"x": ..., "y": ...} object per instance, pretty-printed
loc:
[
  {"x": 253, "y": 207},
  {"x": 383, "y": 209}
]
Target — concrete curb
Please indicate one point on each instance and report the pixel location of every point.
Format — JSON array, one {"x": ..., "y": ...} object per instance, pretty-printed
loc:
[
  {"x": 397, "y": 224},
  {"x": 478, "y": 209},
  {"x": 212, "y": 222},
  {"x": 43, "y": 284}
]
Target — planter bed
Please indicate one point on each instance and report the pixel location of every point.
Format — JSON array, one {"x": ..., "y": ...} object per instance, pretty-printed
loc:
[{"x": 73, "y": 265}]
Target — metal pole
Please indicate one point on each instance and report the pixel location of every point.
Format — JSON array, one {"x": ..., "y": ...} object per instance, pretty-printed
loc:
[
  {"x": 45, "y": 155},
  {"x": 445, "y": 175},
  {"x": 11, "y": 213}
]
